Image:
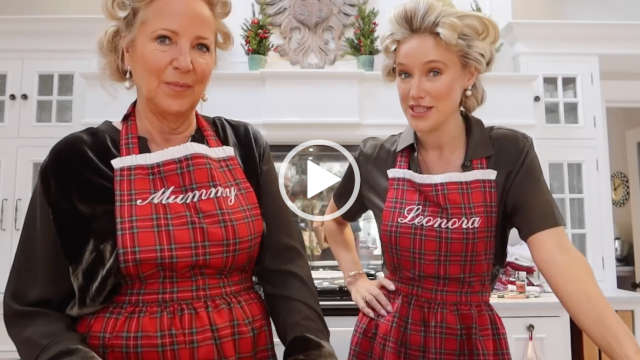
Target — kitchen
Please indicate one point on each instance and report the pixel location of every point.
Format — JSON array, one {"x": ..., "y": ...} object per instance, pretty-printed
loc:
[{"x": 580, "y": 61}]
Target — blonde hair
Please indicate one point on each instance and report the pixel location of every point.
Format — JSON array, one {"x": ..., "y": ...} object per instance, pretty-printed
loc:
[
  {"x": 125, "y": 14},
  {"x": 472, "y": 35}
]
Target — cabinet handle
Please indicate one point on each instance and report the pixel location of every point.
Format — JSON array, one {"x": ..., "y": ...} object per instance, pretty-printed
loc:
[
  {"x": 24, "y": 97},
  {"x": 2, "y": 228},
  {"x": 15, "y": 220},
  {"x": 12, "y": 97}
]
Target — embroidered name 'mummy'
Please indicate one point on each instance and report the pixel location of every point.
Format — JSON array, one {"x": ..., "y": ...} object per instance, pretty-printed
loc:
[
  {"x": 413, "y": 217},
  {"x": 164, "y": 196}
]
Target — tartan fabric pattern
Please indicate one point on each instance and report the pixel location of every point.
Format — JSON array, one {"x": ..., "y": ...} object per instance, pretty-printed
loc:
[
  {"x": 442, "y": 274},
  {"x": 187, "y": 291}
]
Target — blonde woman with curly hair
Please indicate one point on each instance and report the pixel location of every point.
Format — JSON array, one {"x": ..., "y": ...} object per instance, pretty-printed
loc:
[
  {"x": 445, "y": 193},
  {"x": 143, "y": 236}
]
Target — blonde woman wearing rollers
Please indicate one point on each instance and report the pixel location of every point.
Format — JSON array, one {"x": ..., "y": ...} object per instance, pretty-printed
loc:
[{"x": 445, "y": 193}]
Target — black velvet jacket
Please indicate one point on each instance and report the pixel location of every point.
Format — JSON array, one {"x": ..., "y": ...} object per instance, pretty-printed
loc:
[{"x": 66, "y": 263}]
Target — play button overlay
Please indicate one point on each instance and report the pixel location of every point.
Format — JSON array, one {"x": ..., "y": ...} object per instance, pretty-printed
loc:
[
  {"x": 318, "y": 179},
  {"x": 308, "y": 175}
]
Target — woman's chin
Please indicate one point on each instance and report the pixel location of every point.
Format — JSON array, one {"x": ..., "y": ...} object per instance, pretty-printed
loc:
[{"x": 172, "y": 105}]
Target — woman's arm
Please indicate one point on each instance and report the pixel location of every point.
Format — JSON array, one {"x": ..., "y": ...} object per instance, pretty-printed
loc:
[
  {"x": 572, "y": 280},
  {"x": 39, "y": 290},
  {"x": 364, "y": 292}
]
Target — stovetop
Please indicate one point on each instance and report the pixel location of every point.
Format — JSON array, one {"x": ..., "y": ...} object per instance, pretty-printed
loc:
[{"x": 335, "y": 299}]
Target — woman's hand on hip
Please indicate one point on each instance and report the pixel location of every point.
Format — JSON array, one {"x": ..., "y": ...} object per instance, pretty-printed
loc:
[{"x": 367, "y": 295}]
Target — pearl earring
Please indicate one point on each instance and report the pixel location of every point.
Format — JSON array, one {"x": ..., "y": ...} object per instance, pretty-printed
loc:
[
  {"x": 128, "y": 84},
  {"x": 204, "y": 98},
  {"x": 468, "y": 92}
]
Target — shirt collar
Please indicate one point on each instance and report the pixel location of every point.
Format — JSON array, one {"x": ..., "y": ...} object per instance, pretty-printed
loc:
[{"x": 478, "y": 143}]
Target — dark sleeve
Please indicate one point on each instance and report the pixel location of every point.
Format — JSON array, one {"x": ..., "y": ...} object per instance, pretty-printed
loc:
[
  {"x": 39, "y": 290},
  {"x": 344, "y": 190},
  {"x": 283, "y": 272},
  {"x": 530, "y": 207}
]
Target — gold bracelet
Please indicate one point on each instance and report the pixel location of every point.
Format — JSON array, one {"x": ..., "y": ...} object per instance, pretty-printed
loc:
[
  {"x": 349, "y": 279},
  {"x": 354, "y": 273}
]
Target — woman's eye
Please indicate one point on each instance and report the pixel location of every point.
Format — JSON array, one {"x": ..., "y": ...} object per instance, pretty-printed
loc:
[
  {"x": 203, "y": 47},
  {"x": 434, "y": 73},
  {"x": 163, "y": 40},
  {"x": 403, "y": 75}
]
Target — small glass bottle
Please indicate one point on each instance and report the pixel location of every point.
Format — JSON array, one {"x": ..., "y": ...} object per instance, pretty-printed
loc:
[{"x": 521, "y": 282}]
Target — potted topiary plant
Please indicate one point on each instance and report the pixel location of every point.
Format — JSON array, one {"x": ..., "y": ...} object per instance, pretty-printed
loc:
[
  {"x": 364, "y": 42},
  {"x": 256, "y": 36}
]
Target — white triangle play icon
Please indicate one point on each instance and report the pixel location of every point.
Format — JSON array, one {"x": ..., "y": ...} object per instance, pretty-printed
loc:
[{"x": 318, "y": 179}]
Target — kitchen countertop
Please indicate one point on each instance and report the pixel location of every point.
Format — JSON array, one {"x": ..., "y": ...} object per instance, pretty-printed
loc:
[{"x": 545, "y": 305}]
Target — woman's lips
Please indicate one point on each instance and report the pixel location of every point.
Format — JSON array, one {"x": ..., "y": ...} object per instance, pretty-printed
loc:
[
  {"x": 419, "y": 110},
  {"x": 178, "y": 86}
]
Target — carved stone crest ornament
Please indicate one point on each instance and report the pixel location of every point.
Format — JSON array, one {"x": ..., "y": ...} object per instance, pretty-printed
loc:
[{"x": 311, "y": 30}]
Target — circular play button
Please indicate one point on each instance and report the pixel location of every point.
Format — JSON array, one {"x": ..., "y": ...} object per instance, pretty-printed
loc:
[{"x": 309, "y": 172}]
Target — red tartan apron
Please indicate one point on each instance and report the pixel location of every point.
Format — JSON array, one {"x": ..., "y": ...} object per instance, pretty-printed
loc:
[
  {"x": 438, "y": 235},
  {"x": 189, "y": 229}
]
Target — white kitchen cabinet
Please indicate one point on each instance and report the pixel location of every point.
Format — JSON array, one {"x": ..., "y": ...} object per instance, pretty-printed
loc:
[
  {"x": 569, "y": 103},
  {"x": 7, "y": 350},
  {"x": 10, "y": 76},
  {"x": 551, "y": 328},
  {"x": 7, "y": 191},
  {"x": 551, "y": 336},
  {"x": 38, "y": 98},
  {"x": 28, "y": 162},
  {"x": 340, "y": 329},
  {"x": 571, "y": 137},
  {"x": 571, "y": 170},
  {"x": 19, "y": 167}
]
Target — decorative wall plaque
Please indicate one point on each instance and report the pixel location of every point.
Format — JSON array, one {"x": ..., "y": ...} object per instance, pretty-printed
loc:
[{"x": 312, "y": 30}]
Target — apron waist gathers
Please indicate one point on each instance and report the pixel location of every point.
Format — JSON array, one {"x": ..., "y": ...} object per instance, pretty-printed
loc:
[{"x": 434, "y": 291}]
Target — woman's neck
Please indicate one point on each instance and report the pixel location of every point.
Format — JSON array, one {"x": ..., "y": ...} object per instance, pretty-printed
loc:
[
  {"x": 164, "y": 130},
  {"x": 443, "y": 149}
]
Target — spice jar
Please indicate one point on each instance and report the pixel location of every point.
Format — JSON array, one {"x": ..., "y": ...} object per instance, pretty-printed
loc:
[{"x": 521, "y": 282}]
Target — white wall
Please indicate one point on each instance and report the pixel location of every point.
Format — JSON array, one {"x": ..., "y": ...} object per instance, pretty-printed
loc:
[
  {"x": 499, "y": 10},
  {"x": 231, "y": 60},
  {"x": 93, "y": 7},
  {"x": 620, "y": 120},
  {"x": 51, "y": 7},
  {"x": 594, "y": 10}
]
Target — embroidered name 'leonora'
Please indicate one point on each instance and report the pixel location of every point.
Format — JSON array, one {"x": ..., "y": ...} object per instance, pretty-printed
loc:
[
  {"x": 413, "y": 217},
  {"x": 164, "y": 196}
]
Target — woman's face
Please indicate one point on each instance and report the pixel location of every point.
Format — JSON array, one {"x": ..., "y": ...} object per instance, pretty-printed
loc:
[
  {"x": 172, "y": 54},
  {"x": 431, "y": 81}
]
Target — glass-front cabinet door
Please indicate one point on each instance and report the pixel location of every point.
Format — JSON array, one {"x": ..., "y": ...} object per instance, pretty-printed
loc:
[
  {"x": 562, "y": 100},
  {"x": 570, "y": 169},
  {"x": 10, "y": 74},
  {"x": 7, "y": 178},
  {"x": 50, "y": 97},
  {"x": 569, "y": 96}
]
